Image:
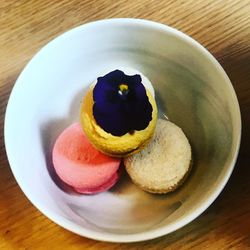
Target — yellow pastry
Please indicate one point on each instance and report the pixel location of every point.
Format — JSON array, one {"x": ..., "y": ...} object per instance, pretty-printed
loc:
[{"x": 118, "y": 114}]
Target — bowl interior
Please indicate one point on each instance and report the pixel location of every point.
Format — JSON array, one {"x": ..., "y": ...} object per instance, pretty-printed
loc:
[{"x": 191, "y": 89}]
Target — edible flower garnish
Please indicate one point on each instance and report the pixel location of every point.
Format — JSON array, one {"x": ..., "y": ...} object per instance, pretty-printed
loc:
[{"x": 121, "y": 104}]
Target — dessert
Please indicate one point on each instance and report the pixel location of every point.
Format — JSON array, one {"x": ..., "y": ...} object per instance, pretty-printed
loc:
[
  {"x": 118, "y": 118},
  {"x": 164, "y": 164},
  {"x": 119, "y": 114},
  {"x": 80, "y": 165}
]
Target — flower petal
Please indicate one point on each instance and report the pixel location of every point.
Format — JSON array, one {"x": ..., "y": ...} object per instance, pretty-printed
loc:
[{"x": 121, "y": 112}]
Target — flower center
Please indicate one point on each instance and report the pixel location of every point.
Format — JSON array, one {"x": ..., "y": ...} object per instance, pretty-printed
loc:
[{"x": 123, "y": 89}]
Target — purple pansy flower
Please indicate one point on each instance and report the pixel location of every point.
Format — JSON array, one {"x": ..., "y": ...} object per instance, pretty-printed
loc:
[{"x": 121, "y": 104}]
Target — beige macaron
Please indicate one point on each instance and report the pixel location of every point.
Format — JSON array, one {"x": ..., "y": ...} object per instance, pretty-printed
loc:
[{"x": 163, "y": 165}]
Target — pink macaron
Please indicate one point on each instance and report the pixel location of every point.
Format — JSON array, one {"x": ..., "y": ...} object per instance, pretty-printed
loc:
[{"x": 80, "y": 165}]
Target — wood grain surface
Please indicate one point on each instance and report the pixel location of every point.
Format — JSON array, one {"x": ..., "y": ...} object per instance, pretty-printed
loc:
[{"x": 223, "y": 27}]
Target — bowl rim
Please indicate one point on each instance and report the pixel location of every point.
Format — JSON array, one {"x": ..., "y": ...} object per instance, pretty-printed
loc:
[{"x": 163, "y": 230}]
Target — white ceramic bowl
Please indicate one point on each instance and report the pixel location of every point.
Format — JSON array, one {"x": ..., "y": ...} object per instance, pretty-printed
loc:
[{"x": 191, "y": 88}]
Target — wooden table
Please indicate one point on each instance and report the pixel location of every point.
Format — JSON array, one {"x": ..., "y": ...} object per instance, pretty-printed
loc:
[{"x": 223, "y": 27}]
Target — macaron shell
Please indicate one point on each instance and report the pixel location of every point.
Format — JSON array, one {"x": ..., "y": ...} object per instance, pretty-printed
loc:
[
  {"x": 80, "y": 165},
  {"x": 117, "y": 146},
  {"x": 165, "y": 163},
  {"x": 105, "y": 186}
]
